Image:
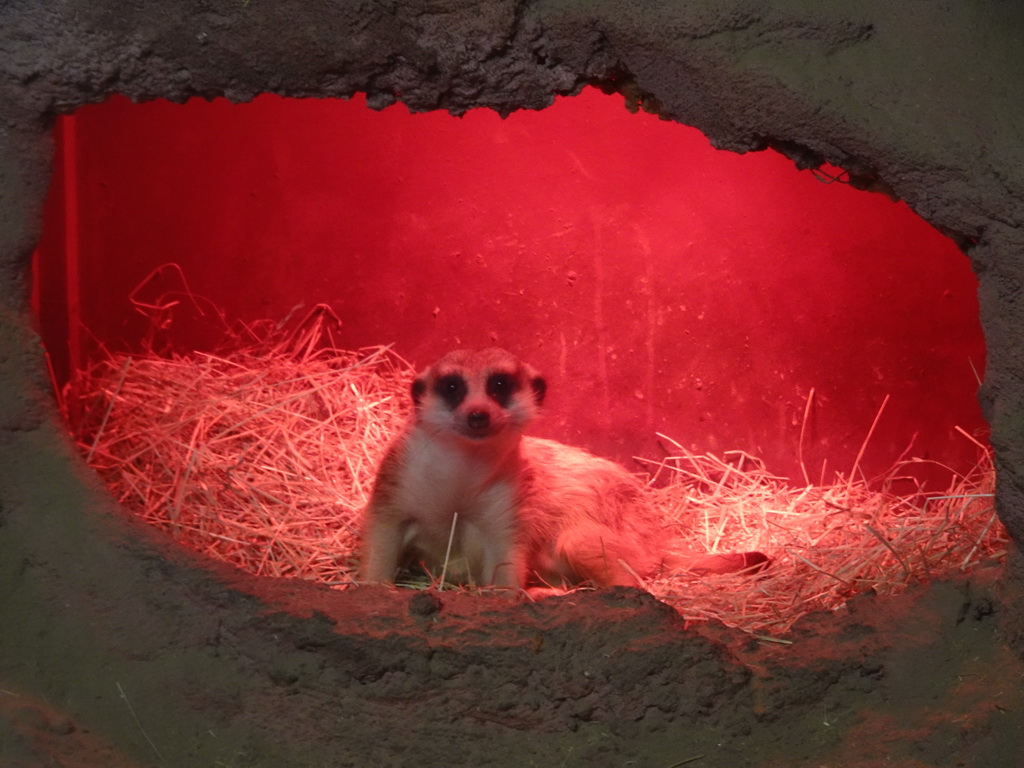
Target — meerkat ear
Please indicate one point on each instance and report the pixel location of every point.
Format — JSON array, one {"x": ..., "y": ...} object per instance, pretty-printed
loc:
[
  {"x": 418, "y": 389},
  {"x": 539, "y": 387}
]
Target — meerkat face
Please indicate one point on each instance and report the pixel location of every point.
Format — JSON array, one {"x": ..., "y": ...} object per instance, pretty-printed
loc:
[{"x": 477, "y": 395}]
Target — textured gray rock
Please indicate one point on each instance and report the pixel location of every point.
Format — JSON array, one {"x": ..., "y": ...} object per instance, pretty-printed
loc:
[{"x": 918, "y": 98}]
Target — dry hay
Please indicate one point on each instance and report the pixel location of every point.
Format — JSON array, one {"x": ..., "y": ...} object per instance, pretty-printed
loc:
[
  {"x": 827, "y": 542},
  {"x": 264, "y": 457}
]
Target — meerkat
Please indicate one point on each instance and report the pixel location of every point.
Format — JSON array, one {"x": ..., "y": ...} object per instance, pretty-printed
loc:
[{"x": 463, "y": 490}]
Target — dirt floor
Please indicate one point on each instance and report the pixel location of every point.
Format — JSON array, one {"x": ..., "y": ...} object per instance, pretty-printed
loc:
[{"x": 607, "y": 678}]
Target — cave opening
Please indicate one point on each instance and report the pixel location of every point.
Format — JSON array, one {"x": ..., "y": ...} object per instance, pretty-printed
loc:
[{"x": 673, "y": 294}]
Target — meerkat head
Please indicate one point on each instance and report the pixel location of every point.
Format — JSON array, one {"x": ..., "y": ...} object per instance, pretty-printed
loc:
[{"x": 478, "y": 395}]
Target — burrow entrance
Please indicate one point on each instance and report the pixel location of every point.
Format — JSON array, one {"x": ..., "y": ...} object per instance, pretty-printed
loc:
[{"x": 790, "y": 362}]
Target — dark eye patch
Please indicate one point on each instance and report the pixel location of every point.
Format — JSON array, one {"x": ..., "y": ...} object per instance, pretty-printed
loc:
[
  {"x": 501, "y": 387},
  {"x": 452, "y": 389},
  {"x": 540, "y": 388},
  {"x": 418, "y": 389}
]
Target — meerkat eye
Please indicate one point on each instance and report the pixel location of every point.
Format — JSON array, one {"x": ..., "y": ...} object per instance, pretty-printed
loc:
[
  {"x": 501, "y": 387},
  {"x": 452, "y": 389}
]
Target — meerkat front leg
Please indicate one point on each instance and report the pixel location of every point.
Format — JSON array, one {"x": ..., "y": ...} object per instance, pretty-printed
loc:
[
  {"x": 496, "y": 528},
  {"x": 502, "y": 567},
  {"x": 382, "y": 552}
]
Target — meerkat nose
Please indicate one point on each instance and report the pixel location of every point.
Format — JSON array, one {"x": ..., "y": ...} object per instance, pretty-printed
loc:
[{"x": 478, "y": 420}]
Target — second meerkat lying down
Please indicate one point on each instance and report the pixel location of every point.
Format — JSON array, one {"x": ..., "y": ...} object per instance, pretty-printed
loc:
[{"x": 463, "y": 488}]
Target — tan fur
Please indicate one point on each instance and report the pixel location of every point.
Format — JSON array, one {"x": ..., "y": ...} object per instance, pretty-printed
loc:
[
  {"x": 529, "y": 511},
  {"x": 584, "y": 518}
]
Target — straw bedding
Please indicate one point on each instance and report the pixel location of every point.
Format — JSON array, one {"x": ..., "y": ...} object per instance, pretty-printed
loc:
[{"x": 265, "y": 455}]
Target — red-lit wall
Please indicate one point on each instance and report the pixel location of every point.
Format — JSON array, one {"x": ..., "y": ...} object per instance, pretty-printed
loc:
[{"x": 661, "y": 285}]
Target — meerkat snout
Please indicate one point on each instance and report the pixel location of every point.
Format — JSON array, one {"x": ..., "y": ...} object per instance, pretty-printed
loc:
[{"x": 478, "y": 421}]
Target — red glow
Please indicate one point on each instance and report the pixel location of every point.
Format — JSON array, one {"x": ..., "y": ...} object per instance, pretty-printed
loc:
[{"x": 662, "y": 285}]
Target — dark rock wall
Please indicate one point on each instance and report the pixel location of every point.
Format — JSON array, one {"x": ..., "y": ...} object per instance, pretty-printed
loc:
[{"x": 921, "y": 98}]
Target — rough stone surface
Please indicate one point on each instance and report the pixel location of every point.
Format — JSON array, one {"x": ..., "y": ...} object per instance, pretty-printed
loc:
[{"x": 119, "y": 650}]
